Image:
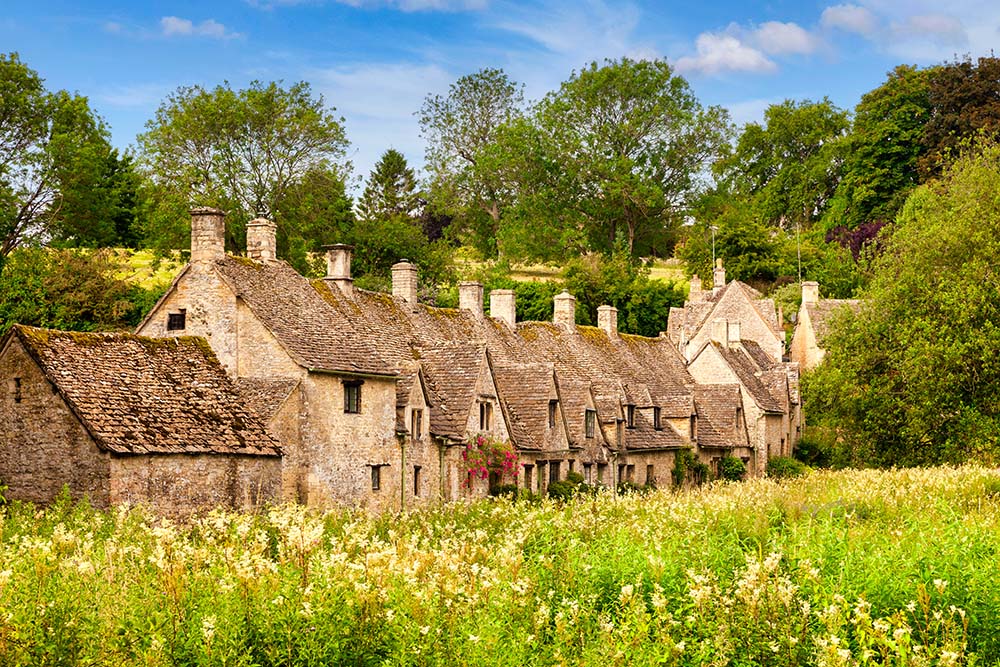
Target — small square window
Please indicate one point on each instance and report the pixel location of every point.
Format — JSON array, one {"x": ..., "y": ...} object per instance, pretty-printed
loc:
[
  {"x": 590, "y": 421},
  {"x": 352, "y": 397},
  {"x": 177, "y": 321}
]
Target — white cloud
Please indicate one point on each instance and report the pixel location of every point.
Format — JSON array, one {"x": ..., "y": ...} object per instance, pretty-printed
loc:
[
  {"x": 849, "y": 18},
  {"x": 938, "y": 28},
  {"x": 722, "y": 52},
  {"x": 136, "y": 95},
  {"x": 172, "y": 26},
  {"x": 775, "y": 37}
]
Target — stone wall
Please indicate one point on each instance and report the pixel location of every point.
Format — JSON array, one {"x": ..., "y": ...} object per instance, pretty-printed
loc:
[
  {"x": 43, "y": 446},
  {"x": 178, "y": 484}
]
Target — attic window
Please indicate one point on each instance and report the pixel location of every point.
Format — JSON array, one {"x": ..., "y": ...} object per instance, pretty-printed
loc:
[
  {"x": 656, "y": 419},
  {"x": 485, "y": 415},
  {"x": 15, "y": 389},
  {"x": 416, "y": 424},
  {"x": 590, "y": 422},
  {"x": 352, "y": 396},
  {"x": 553, "y": 405},
  {"x": 176, "y": 321},
  {"x": 630, "y": 415}
]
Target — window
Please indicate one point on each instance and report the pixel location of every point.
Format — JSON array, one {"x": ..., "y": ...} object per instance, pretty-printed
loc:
[
  {"x": 15, "y": 389},
  {"x": 528, "y": 467},
  {"x": 602, "y": 472},
  {"x": 572, "y": 465},
  {"x": 590, "y": 421},
  {"x": 630, "y": 415},
  {"x": 553, "y": 405},
  {"x": 739, "y": 418},
  {"x": 694, "y": 427},
  {"x": 485, "y": 415},
  {"x": 376, "y": 477},
  {"x": 650, "y": 475},
  {"x": 176, "y": 321},
  {"x": 416, "y": 480},
  {"x": 553, "y": 471},
  {"x": 588, "y": 473},
  {"x": 416, "y": 424},
  {"x": 622, "y": 468},
  {"x": 656, "y": 419},
  {"x": 352, "y": 397}
]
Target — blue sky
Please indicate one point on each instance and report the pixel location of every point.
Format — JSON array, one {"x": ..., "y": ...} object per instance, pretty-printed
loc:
[{"x": 376, "y": 60}]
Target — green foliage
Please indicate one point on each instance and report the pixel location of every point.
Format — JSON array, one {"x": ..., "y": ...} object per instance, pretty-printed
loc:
[
  {"x": 784, "y": 467},
  {"x": 70, "y": 289},
  {"x": 914, "y": 379},
  {"x": 689, "y": 469},
  {"x": 391, "y": 190},
  {"x": 732, "y": 469}
]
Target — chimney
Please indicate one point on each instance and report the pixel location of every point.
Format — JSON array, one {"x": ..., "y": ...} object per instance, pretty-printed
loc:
[
  {"x": 404, "y": 281},
  {"x": 733, "y": 333},
  {"x": 695, "y": 294},
  {"x": 470, "y": 297},
  {"x": 338, "y": 267},
  {"x": 502, "y": 306},
  {"x": 208, "y": 234},
  {"x": 810, "y": 292},
  {"x": 261, "y": 243},
  {"x": 607, "y": 320},
  {"x": 720, "y": 332},
  {"x": 564, "y": 310},
  {"x": 718, "y": 276}
]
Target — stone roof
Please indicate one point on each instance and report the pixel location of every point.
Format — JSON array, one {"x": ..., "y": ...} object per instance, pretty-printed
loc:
[
  {"x": 314, "y": 334},
  {"x": 451, "y": 371},
  {"x": 138, "y": 395},
  {"x": 265, "y": 396},
  {"x": 761, "y": 359},
  {"x": 716, "y": 408},
  {"x": 524, "y": 391},
  {"x": 735, "y": 301},
  {"x": 821, "y": 314},
  {"x": 746, "y": 371}
]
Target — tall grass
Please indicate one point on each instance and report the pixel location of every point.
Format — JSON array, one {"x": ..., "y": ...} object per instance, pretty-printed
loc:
[{"x": 837, "y": 568}]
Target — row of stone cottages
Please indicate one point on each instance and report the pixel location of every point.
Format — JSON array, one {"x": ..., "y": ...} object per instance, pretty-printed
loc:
[{"x": 249, "y": 382}]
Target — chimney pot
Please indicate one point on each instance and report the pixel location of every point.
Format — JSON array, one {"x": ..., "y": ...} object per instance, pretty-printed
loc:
[
  {"x": 503, "y": 306},
  {"x": 404, "y": 281},
  {"x": 607, "y": 320},
  {"x": 261, "y": 242},
  {"x": 208, "y": 234},
  {"x": 470, "y": 297},
  {"x": 338, "y": 267},
  {"x": 718, "y": 276},
  {"x": 564, "y": 310}
]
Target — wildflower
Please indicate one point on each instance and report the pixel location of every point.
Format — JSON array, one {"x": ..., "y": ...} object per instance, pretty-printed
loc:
[
  {"x": 208, "y": 628},
  {"x": 940, "y": 585}
]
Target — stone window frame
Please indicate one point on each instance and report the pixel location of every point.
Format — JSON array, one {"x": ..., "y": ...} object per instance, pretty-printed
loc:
[
  {"x": 555, "y": 467},
  {"x": 177, "y": 321},
  {"x": 650, "y": 475},
  {"x": 590, "y": 423},
  {"x": 657, "y": 421},
  {"x": 528, "y": 469},
  {"x": 630, "y": 415},
  {"x": 377, "y": 475},
  {"x": 416, "y": 423},
  {"x": 588, "y": 473},
  {"x": 485, "y": 415},
  {"x": 416, "y": 481},
  {"x": 553, "y": 411},
  {"x": 352, "y": 396}
]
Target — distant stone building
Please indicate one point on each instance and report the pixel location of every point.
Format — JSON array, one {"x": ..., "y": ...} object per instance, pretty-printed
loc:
[
  {"x": 125, "y": 419},
  {"x": 813, "y": 324}
]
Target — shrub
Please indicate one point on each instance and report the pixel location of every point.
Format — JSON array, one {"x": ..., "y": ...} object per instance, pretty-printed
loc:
[
  {"x": 732, "y": 469},
  {"x": 785, "y": 467},
  {"x": 562, "y": 490}
]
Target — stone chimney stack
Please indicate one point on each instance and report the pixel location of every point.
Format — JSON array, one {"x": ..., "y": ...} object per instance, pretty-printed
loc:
[
  {"x": 695, "y": 294},
  {"x": 503, "y": 307},
  {"x": 810, "y": 292},
  {"x": 564, "y": 310},
  {"x": 720, "y": 332},
  {"x": 718, "y": 276},
  {"x": 338, "y": 267},
  {"x": 470, "y": 297},
  {"x": 404, "y": 281},
  {"x": 607, "y": 320},
  {"x": 733, "y": 332},
  {"x": 261, "y": 243},
  {"x": 208, "y": 234}
]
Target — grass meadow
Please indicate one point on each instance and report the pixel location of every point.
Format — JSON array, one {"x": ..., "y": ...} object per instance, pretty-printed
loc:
[{"x": 835, "y": 568}]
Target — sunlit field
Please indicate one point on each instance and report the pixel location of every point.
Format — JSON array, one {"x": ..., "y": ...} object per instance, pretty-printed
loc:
[{"x": 837, "y": 568}]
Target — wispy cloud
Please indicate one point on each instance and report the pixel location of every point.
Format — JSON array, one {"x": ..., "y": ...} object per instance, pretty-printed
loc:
[
  {"x": 723, "y": 52},
  {"x": 136, "y": 95},
  {"x": 849, "y": 18},
  {"x": 776, "y": 37},
  {"x": 172, "y": 26}
]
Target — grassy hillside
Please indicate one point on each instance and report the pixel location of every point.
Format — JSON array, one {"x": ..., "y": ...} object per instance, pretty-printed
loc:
[{"x": 845, "y": 568}]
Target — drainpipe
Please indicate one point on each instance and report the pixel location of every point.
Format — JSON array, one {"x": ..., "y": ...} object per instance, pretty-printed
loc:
[{"x": 402, "y": 473}]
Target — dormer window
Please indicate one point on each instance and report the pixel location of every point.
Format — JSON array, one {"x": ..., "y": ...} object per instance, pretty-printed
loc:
[
  {"x": 485, "y": 415},
  {"x": 553, "y": 408},
  {"x": 656, "y": 419},
  {"x": 352, "y": 396},
  {"x": 416, "y": 424},
  {"x": 630, "y": 415},
  {"x": 177, "y": 321},
  {"x": 590, "y": 423}
]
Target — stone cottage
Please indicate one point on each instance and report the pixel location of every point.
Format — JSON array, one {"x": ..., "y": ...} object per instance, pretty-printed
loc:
[
  {"x": 121, "y": 418},
  {"x": 813, "y": 324},
  {"x": 374, "y": 396}
]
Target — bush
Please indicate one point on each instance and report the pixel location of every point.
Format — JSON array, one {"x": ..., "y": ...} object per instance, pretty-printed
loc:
[
  {"x": 785, "y": 467},
  {"x": 562, "y": 490},
  {"x": 732, "y": 469}
]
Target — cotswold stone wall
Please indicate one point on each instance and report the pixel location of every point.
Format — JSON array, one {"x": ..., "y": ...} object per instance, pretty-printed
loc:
[
  {"x": 178, "y": 484},
  {"x": 43, "y": 446}
]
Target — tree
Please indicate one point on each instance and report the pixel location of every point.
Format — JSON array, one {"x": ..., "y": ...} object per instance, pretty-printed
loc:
[
  {"x": 391, "y": 189},
  {"x": 46, "y": 141},
  {"x": 458, "y": 127},
  {"x": 914, "y": 378},
  {"x": 789, "y": 168},
  {"x": 623, "y": 144},
  {"x": 242, "y": 151}
]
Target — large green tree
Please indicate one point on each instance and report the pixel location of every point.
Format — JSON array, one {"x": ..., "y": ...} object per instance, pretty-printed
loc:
[
  {"x": 391, "y": 189},
  {"x": 241, "y": 150},
  {"x": 915, "y": 377}
]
